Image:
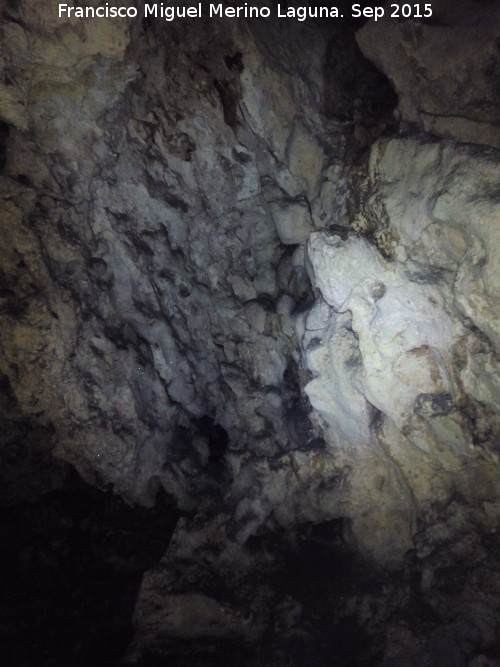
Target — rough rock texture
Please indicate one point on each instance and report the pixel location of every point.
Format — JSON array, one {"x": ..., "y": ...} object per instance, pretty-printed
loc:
[
  {"x": 454, "y": 97},
  {"x": 403, "y": 345},
  {"x": 227, "y": 272}
]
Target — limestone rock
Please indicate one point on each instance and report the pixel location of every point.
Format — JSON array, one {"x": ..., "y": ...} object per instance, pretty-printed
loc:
[
  {"x": 384, "y": 344},
  {"x": 226, "y": 275},
  {"x": 454, "y": 97}
]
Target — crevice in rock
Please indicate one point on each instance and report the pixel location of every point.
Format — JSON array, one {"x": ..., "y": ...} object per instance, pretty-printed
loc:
[
  {"x": 235, "y": 62},
  {"x": 357, "y": 93},
  {"x": 229, "y": 102},
  {"x": 4, "y": 135}
]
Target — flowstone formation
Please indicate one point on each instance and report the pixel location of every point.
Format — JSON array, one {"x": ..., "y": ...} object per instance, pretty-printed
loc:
[{"x": 256, "y": 265}]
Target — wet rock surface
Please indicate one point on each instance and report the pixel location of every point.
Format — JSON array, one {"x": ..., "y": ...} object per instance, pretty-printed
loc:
[{"x": 251, "y": 268}]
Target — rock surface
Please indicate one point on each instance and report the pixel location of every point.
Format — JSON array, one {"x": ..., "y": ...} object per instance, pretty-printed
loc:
[
  {"x": 445, "y": 70},
  {"x": 406, "y": 329},
  {"x": 228, "y": 273}
]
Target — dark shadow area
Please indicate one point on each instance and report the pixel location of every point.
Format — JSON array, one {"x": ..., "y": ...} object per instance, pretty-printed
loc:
[
  {"x": 356, "y": 92},
  {"x": 218, "y": 439},
  {"x": 319, "y": 571},
  {"x": 4, "y": 134},
  {"x": 71, "y": 564}
]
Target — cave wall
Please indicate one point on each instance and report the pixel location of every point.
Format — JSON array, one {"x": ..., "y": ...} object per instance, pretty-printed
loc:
[{"x": 255, "y": 264}]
